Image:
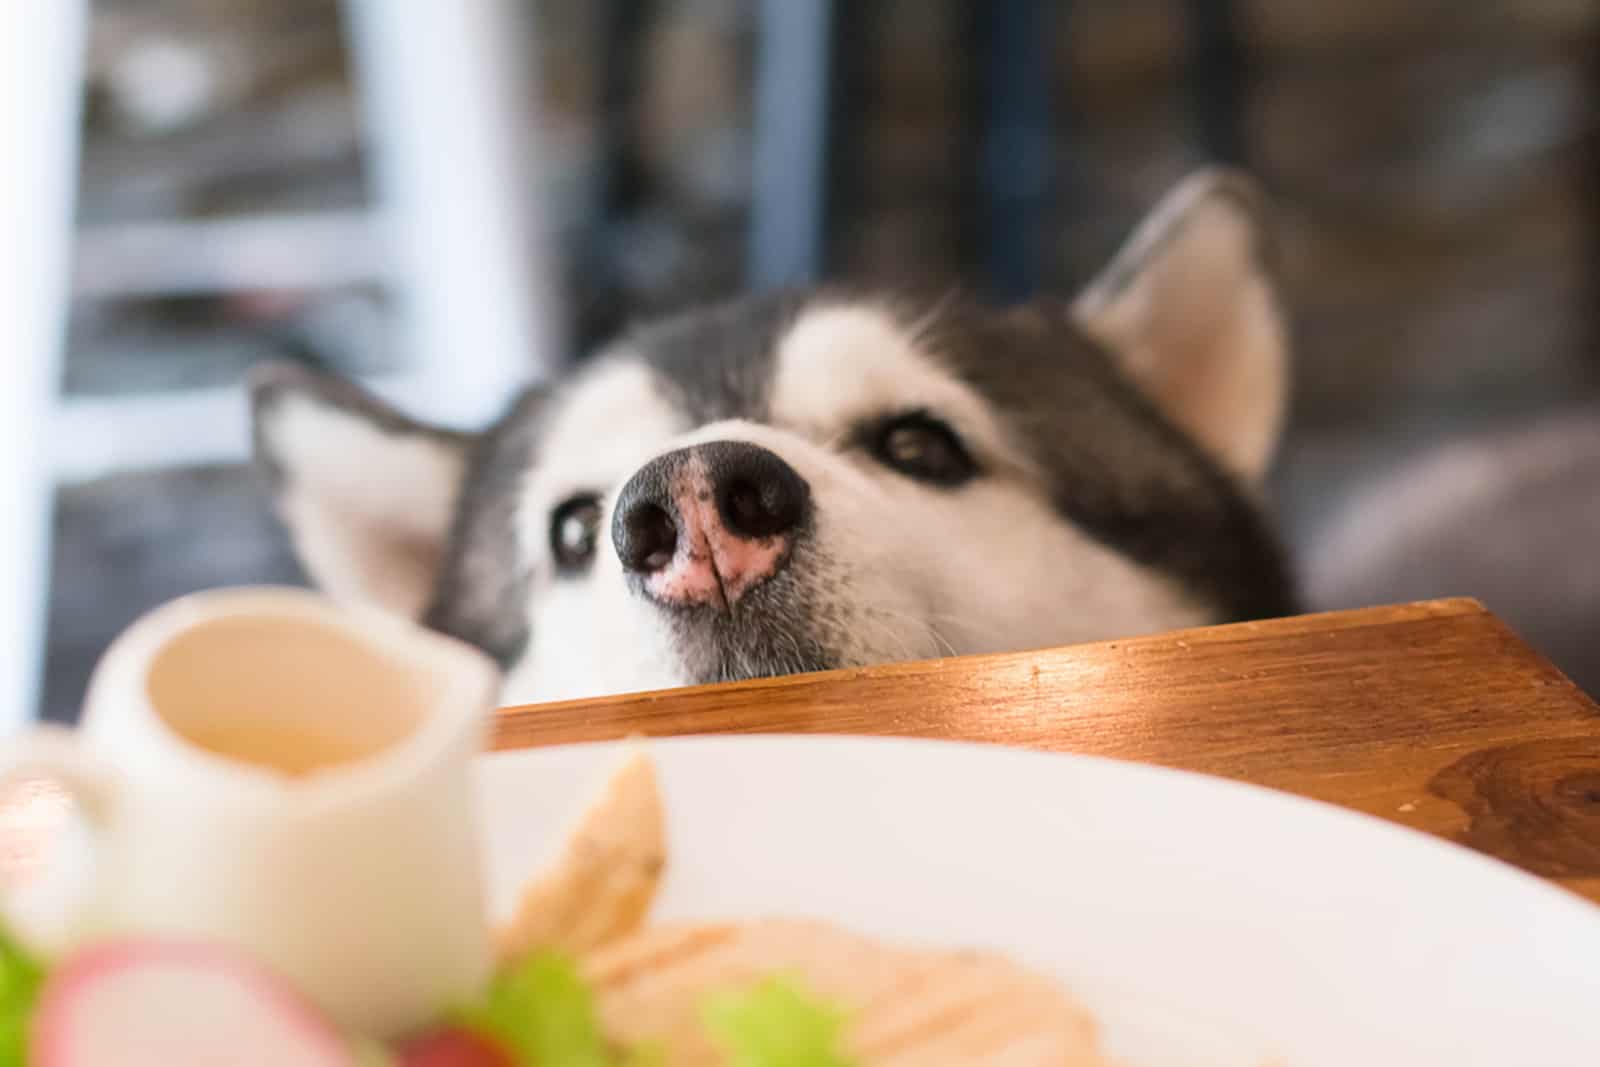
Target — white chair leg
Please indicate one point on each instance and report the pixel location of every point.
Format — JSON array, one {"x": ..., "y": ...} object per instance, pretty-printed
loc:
[
  {"x": 447, "y": 88},
  {"x": 791, "y": 128},
  {"x": 42, "y": 50}
]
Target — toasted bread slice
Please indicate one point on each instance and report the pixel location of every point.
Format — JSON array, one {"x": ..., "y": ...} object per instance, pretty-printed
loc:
[
  {"x": 903, "y": 1006},
  {"x": 603, "y": 881}
]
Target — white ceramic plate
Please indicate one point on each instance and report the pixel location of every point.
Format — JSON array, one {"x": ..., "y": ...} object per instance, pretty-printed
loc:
[{"x": 1208, "y": 924}]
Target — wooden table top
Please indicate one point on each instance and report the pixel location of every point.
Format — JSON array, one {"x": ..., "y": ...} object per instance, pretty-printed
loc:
[{"x": 1433, "y": 715}]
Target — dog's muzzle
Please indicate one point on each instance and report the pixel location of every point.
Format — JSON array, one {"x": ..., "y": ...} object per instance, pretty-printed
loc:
[{"x": 705, "y": 525}]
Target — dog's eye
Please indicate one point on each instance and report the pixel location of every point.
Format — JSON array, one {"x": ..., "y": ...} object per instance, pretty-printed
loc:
[
  {"x": 922, "y": 447},
  {"x": 574, "y": 527}
]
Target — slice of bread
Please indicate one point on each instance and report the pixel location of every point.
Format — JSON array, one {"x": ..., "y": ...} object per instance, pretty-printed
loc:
[{"x": 602, "y": 884}]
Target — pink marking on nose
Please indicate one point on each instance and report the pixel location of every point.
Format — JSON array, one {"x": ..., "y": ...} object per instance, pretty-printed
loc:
[{"x": 711, "y": 564}]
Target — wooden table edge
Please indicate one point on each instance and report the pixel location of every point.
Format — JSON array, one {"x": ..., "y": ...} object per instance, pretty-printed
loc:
[
  {"x": 1483, "y": 783},
  {"x": 509, "y": 718}
]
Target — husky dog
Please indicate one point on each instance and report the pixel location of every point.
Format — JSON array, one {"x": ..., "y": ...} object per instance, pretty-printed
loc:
[{"x": 829, "y": 478}]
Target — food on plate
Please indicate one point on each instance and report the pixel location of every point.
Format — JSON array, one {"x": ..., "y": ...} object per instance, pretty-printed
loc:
[
  {"x": 773, "y": 1022},
  {"x": 775, "y": 993},
  {"x": 603, "y": 881},
  {"x": 889, "y": 1005},
  {"x": 542, "y": 1011},
  {"x": 20, "y": 978},
  {"x": 150, "y": 1003},
  {"x": 584, "y": 981},
  {"x": 454, "y": 1046},
  {"x": 545, "y": 1011}
]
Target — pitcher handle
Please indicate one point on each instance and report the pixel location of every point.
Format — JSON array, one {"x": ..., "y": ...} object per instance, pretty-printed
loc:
[{"x": 54, "y": 753}]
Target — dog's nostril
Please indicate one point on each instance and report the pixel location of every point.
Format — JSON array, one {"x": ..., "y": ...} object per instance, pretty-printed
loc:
[
  {"x": 759, "y": 495},
  {"x": 759, "y": 509},
  {"x": 748, "y": 508},
  {"x": 650, "y": 538}
]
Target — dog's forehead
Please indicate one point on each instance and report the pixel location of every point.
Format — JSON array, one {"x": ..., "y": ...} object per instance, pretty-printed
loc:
[
  {"x": 815, "y": 362},
  {"x": 820, "y": 363},
  {"x": 798, "y": 357},
  {"x": 718, "y": 363},
  {"x": 611, "y": 416},
  {"x": 656, "y": 383},
  {"x": 841, "y": 363}
]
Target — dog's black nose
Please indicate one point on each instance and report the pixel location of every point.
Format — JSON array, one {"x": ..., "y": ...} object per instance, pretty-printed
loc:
[
  {"x": 709, "y": 521},
  {"x": 757, "y": 494}
]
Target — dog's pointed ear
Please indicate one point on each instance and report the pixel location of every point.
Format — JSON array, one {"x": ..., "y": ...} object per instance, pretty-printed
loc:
[
  {"x": 368, "y": 494},
  {"x": 1189, "y": 309}
]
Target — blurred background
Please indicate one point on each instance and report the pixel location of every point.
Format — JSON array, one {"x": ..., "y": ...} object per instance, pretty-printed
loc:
[{"x": 353, "y": 182}]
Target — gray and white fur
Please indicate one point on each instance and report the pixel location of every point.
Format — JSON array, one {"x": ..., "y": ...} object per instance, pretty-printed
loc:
[{"x": 830, "y": 478}]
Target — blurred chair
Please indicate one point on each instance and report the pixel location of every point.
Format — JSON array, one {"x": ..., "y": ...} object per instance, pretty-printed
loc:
[
  {"x": 41, "y": 64},
  {"x": 788, "y": 225},
  {"x": 446, "y": 88},
  {"x": 1511, "y": 517}
]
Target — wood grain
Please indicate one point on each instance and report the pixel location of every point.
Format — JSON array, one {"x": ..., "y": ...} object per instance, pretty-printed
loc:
[{"x": 1433, "y": 715}]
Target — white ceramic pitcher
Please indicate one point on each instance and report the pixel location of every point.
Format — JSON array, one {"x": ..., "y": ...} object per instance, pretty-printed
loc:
[{"x": 262, "y": 768}]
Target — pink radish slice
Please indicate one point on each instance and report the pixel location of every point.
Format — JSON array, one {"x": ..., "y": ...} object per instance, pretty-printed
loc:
[{"x": 166, "y": 1004}]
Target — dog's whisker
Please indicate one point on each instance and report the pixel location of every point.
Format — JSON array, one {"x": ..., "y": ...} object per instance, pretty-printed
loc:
[
  {"x": 923, "y": 325},
  {"x": 949, "y": 648},
  {"x": 942, "y": 645}
]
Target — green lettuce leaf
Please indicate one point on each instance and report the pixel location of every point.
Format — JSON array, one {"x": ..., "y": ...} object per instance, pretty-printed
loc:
[
  {"x": 20, "y": 978},
  {"x": 775, "y": 1024},
  {"x": 542, "y": 1012}
]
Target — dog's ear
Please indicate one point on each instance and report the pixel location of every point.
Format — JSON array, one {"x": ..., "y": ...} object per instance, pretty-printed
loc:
[
  {"x": 368, "y": 494},
  {"x": 1189, "y": 308}
]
